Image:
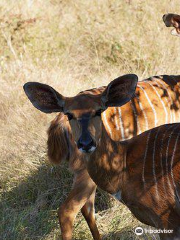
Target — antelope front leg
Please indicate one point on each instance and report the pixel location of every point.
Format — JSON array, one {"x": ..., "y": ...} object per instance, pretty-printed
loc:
[
  {"x": 88, "y": 212},
  {"x": 83, "y": 189}
]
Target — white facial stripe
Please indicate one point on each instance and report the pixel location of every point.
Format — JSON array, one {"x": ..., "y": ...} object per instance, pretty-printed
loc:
[
  {"x": 172, "y": 159},
  {"x": 136, "y": 117},
  {"x": 154, "y": 111},
  {"x": 165, "y": 110},
  {"x": 145, "y": 156},
  {"x": 106, "y": 123},
  {"x": 121, "y": 123}
]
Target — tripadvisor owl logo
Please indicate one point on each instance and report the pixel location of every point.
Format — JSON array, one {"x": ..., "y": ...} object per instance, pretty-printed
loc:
[{"x": 138, "y": 230}]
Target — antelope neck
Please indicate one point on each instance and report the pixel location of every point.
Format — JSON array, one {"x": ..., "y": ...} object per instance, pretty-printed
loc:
[{"x": 107, "y": 165}]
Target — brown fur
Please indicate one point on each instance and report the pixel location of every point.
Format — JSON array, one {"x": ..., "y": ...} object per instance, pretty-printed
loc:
[
  {"x": 59, "y": 142},
  {"x": 57, "y": 137},
  {"x": 121, "y": 168}
]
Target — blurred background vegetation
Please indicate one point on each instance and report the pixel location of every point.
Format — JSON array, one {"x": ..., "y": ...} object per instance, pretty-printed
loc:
[{"x": 71, "y": 45}]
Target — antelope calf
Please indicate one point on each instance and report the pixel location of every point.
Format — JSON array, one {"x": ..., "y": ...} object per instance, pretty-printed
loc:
[
  {"x": 144, "y": 172},
  {"x": 172, "y": 20},
  {"x": 156, "y": 102}
]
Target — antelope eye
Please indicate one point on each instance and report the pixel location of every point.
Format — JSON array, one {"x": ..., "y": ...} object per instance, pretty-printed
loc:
[
  {"x": 69, "y": 115},
  {"x": 98, "y": 113}
]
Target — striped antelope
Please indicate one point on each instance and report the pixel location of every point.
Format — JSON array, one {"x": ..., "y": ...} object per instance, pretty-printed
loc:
[
  {"x": 156, "y": 102},
  {"x": 172, "y": 20}
]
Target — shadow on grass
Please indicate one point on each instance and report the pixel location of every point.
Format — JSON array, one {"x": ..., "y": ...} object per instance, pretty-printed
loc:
[{"x": 29, "y": 209}]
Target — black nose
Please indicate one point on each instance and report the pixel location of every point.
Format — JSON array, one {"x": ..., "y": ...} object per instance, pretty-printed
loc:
[{"x": 86, "y": 146}]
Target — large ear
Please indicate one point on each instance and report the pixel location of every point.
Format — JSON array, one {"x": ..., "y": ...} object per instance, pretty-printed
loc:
[
  {"x": 119, "y": 91},
  {"x": 172, "y": 20},
  {"x": 44, "y": 97}
]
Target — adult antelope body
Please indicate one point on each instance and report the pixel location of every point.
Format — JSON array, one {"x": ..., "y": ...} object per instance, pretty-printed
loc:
[{"x": 156, "y": 102}]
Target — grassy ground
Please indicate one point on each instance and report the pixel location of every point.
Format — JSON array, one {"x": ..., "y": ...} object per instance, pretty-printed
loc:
[{"x": 71, "y": 45}]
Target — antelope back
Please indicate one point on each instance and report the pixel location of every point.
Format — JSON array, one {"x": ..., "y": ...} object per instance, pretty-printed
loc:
[{"x": 156, "y": 102}]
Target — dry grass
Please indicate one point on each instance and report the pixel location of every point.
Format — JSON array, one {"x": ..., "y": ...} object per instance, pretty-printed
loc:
[{"x": 71, "y": 45}]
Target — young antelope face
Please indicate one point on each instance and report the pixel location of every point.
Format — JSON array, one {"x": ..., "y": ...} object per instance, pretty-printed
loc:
[
  {"x": 84, "y": 110},
  {"x": 84, "y": 114}
]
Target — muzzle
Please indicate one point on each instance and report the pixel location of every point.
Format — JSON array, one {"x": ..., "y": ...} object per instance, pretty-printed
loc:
[{"x": 85, "y": 144}]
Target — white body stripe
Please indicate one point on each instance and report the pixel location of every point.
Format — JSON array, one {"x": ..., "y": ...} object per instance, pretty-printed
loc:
[
  {"x": 154, "y": 111},
  {"x": 144, "y": 114},
  {"x": 153, "y": 163},
  {"x": 136, "y": 117},
  {"x": 172, "y": 159},
  {"x": 161, "y": 155},
  {"x": 167, "y": 150},
  {"x": 116, "y": 118},
  {"x": 165, "y": 110},
  {"x": 169, "y": 105},
  {"x": 145, "y": 155},
  {"x": 121, "y": 123},
  {"x": 172, "y": 112},
  {"x": 106, "y": 123}
]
